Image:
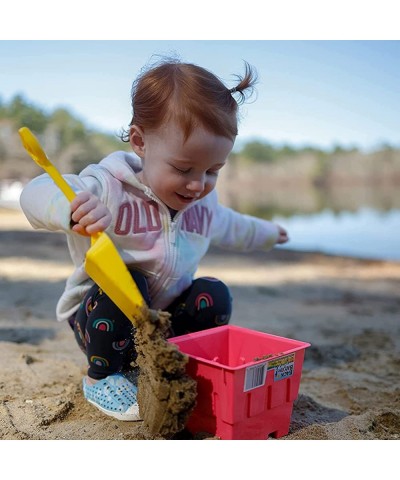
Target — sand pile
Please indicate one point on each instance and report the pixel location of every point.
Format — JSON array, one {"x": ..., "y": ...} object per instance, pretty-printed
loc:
[{"x": 166, "y": 395}]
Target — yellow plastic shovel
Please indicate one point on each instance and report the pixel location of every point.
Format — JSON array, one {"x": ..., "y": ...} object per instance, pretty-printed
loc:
[{"x": 102, "y": 263}]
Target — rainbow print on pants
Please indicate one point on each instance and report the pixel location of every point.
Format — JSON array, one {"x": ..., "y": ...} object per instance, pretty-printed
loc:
[
  {"x": 101, "y": 361},
  {"x": 103, "y": 324},
  {"x": 204, "y": 300}
]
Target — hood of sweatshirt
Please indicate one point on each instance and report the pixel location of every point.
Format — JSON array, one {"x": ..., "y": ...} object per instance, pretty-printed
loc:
[{"x": 124, "y": 166}]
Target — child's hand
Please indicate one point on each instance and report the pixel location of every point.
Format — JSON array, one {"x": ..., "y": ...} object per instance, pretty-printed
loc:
[
  {"x": 283, "y": 236},
  {"x": 89, "y": 214}
]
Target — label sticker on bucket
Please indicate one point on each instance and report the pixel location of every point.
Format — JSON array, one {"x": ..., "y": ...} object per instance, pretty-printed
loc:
[
  {"x": 255, "y": 376},
  {"x": 283, "y": 367}
]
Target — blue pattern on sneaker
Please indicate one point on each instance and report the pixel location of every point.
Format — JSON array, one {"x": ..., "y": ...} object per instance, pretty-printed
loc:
[{"x": 115, "y": 395}]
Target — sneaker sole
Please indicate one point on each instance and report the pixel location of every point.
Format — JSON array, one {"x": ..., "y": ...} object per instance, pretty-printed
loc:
[{"x": 130, "y": 417}]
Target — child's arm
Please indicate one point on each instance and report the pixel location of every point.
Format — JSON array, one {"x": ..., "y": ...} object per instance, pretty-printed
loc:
[
  {"x": 45, "y": 206},
  {"x": 236, "y": 231}
]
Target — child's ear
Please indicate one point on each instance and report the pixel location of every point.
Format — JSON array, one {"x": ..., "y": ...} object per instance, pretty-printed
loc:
[{"x": 136, "y": 139}]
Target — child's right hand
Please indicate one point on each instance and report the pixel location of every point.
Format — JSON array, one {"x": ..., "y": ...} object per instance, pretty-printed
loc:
[{"x": 89, "y": 214}]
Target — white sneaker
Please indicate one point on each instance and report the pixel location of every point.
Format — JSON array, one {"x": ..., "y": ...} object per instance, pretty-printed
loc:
[{"x": 115, "y": 396}]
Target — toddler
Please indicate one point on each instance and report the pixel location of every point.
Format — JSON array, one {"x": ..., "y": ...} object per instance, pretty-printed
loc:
[{"x": 160, "y": 207}]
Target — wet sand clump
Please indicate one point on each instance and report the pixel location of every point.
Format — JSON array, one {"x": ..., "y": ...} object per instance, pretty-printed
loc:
[{"x": 166, "y": 394}]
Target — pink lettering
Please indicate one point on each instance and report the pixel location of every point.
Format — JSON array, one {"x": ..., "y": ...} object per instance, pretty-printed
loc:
[
  {"x": 124, "y": 219},
  {"x": 189, "y": 222},
  {"x": 137, "y": 217},
  {"x": 152, "y": 216},
  {"x": 203, "y": 222},
  {"x": 140, "y": 216},
  {"x": 197, "y": 219},
  {"x": 209, "y": 215},
  {"x": 136, "y": 220}
]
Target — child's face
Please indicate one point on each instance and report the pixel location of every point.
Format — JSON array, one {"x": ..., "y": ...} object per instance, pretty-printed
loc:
[{"x": 180, "y": 173}]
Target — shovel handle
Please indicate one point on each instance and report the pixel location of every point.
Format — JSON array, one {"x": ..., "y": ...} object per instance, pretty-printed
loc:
[
  {"x": 59, "y": 180},
  {"x": 35, "y": 150}
]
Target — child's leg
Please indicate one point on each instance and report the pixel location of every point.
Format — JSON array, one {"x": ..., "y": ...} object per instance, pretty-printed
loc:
[
  {"x": 106, "y": 337},
  {"x": 104, "y": 333},
  {"x": 207, "y": 303}
]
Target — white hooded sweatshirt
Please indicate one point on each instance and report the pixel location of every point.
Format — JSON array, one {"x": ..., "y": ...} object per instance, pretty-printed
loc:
[{"x": 166, "y": 250}]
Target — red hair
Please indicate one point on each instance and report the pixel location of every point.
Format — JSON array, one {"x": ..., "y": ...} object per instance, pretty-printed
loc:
[{"x": 190, "y": 95}]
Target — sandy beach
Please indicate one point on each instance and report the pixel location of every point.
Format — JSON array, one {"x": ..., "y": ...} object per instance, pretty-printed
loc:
[{"x": 347, "y": 309}]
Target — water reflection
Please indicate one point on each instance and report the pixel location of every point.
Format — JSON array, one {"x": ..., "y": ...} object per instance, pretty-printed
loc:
[
  {"x": 357, "y": 221},
  {"x": 291, "y": 200},
  {"x": 365, "y": 233},
  {"x": 361, "y": 196}
]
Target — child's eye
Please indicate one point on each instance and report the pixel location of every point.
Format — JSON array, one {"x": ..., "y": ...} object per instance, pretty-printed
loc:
[
  {"x": 181, "y": 170},
  {"x": 213, "y": 172}
]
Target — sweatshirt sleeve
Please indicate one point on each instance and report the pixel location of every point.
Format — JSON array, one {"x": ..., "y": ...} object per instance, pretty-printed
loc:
[
  {"x": 236, "y": 231},
  {"x": 46, "y": 207}
]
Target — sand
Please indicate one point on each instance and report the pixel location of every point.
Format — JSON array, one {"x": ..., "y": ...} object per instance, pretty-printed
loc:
[
  {"x": 347, "y": 309},
  {"x": 166, "y": 394}
]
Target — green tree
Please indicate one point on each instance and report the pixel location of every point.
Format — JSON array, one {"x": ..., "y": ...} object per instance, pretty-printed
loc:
[
  {"x": 25, "y": 114},
  {"x": 3, "y": 108},
  {"x": 70, "y": 129},
  {"x": 259, "y": 152}
]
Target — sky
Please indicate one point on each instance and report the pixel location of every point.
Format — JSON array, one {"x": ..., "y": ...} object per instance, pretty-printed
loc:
[
  {"x": 310, "y": 92},
  {"x": 343, "y": 89}
]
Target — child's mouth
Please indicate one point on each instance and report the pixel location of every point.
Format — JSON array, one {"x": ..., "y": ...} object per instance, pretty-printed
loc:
[{"x": 185, "y": 198}]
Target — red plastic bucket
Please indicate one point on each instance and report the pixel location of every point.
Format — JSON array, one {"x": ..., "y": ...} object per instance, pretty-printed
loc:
[{"x": 247, "y": 381}]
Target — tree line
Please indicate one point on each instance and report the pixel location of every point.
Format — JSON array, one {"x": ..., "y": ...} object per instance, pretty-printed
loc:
[{"x": 68, "y": 137}]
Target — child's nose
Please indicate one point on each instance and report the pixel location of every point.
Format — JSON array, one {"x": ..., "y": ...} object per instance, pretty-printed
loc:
[{"x": 196, "y": 185}]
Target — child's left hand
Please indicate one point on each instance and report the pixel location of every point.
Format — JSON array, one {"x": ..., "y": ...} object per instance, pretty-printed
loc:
[{"x": 283, "y": 236}]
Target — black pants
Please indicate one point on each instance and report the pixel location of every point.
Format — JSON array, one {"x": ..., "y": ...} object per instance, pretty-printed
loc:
[{"x": 106, "y": 336}]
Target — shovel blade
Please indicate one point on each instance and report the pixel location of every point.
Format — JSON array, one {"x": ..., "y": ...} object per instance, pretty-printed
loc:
[{"x": 106, "y": 268}]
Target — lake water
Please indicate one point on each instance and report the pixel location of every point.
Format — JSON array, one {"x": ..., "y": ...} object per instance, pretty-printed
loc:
[{"x": 366, "y": 233}]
